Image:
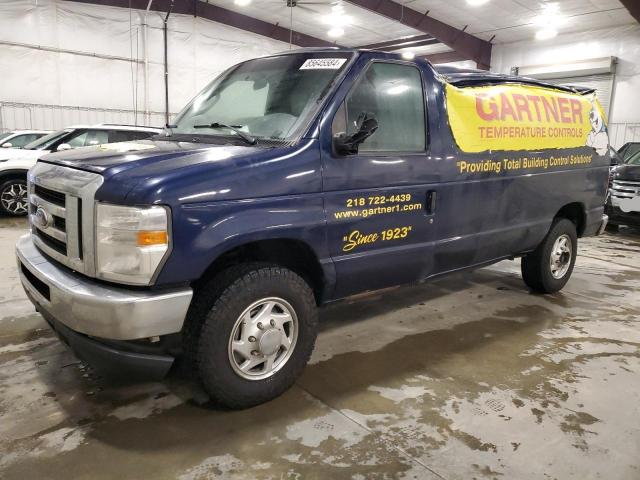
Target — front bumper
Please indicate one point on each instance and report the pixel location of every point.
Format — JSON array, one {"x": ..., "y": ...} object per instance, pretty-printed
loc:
[
  {"x": 79, "y": 308},
  {"x": 618, "y": 217},
  {"x": 109, "y": 359},
  {"x": 603, "y": 225},
  {"x": 96, "y": 309}
]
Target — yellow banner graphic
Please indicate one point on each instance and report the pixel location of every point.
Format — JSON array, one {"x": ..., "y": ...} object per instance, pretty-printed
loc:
[{"x": 524, "y": 117}]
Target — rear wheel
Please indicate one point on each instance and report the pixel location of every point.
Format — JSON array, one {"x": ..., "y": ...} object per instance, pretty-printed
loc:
[
  {"x": 256, "y": 335},
  {"x": 548, "y": 268},
  {"x": 13, "y": 197}
]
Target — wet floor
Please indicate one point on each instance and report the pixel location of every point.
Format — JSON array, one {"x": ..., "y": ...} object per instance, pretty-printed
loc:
[{"x": 467, "y": 377}]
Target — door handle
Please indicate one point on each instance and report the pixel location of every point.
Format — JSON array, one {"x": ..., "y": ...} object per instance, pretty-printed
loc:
[{"x": 432, "y": 198}]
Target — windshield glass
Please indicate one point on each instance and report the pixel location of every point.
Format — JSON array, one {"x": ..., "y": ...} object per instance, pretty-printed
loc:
[
  {"x": 633, "y": 159},
  {"x": 266, "y": 98},
  {"x": 629, "y": 150},
  {"x": 4, "y": 135},
  {"x": 43, "y": 143}
]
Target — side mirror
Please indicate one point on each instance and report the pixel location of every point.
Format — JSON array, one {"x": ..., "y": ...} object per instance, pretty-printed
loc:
[
  {"x": 62, "y": 147},
  {"x": 348, "y": 144},
  {"x": 7, "y": 145}
]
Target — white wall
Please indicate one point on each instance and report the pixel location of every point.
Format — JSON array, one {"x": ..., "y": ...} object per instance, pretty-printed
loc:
[
  {"x": 41, "y": 60},
  {"x": 622, "y": 42}
]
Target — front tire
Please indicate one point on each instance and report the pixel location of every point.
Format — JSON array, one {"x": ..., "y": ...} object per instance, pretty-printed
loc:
[
  {"x": 256, "y": 336},
  {"x": 548, "y": 268},
  {"x": 13, "y": 197}
]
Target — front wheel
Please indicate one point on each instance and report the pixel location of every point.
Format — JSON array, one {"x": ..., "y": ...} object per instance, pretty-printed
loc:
[
  {"x": 13, "y": 197},
  {"x": 548, "y": 268},
  {"x": 257, "y": 336}
]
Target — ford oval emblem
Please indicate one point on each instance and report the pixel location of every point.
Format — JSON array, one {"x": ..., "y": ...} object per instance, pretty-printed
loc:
[{"x": 42, "y": 218}]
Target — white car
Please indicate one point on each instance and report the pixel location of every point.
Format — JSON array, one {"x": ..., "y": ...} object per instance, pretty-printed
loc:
[
  {"x": 14, "y": 163},
  {"x": 20, "y": 138}
]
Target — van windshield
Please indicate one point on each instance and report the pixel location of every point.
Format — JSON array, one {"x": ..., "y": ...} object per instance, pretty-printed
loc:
[
  {"x": 267, "y": 98},
  {"x": 43, "y": 143}
]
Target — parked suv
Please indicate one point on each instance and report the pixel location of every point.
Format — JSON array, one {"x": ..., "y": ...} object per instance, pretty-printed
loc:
[
  {"x": 623, "y": 202},
  {"x": 20, "y": 138},
  {"x": 15, "y": 163},
  {"x": 296, "y": 180}
]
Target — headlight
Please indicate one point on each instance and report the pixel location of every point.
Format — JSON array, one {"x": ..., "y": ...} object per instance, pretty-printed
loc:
[{"x": 130, "y": 242}]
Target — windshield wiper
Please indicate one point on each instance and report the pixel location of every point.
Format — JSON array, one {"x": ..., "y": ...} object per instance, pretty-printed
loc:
[{"x": 235, "y": 128}]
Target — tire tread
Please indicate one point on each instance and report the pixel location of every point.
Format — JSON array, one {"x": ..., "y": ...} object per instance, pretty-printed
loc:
[
  {"x": 534, "y": 266},
  {"x": 218, "y": 299}
]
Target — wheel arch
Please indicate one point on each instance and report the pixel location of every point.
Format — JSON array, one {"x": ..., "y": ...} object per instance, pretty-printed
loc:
[
  {"x": 13, "y": 173},
  {"x": 294, "y": 254},
  {"x": 576, "y": 213}
]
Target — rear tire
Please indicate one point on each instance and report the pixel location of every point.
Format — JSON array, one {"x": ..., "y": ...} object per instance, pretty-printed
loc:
[
  {"x": 13, "y": 197},
  {"x": 548, "y": 268},
  {"x": 256, "y": 333}
]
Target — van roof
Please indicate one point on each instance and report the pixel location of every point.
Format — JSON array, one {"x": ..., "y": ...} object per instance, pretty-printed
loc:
[
  {"x": 465, "y": 77},
  {"x": 460, "y": 77}
]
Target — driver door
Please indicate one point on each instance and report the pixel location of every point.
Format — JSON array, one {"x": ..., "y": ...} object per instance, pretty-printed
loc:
[{"x": 378, "y": 204}]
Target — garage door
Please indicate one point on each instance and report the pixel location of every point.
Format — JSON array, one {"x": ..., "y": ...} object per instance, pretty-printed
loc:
[{"x": 602, "y": 84}]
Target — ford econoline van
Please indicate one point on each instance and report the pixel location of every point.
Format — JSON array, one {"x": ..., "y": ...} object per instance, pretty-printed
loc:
[{"x": 296, "y": 180}]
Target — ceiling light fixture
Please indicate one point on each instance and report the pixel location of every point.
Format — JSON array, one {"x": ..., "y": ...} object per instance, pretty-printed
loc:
[
  {"x": 476, "y": 3},
  {"x": 407, "y": 55},
  {"x": 336, "y": 32},
  {"x": 549, "y": 21},
  {"x": 337, "y": 20},
  {"x": 242, "y": 3}
]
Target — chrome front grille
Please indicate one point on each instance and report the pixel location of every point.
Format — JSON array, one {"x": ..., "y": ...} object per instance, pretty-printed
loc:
[
  {"x": 54, "y": 233},
  {"x": 61, "y": 203},
  {"x": 625, "y": 189}
]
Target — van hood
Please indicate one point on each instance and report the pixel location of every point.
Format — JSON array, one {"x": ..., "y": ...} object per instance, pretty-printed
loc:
[
  {"x": 626, "y": 172},
  {"x": 168, "y": 172},
  {"x": 114, "y": 158}
]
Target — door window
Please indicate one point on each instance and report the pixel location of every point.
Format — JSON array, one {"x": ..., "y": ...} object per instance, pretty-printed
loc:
[
  {"x": 393, "y": 95},
  {"x": 78, "y": 139},
  {"x": 97, "y": 137},
  {"x": 21, "y": 140},
  {"x": 87, "y": 138},
  {"x": 128, "y": 135}
]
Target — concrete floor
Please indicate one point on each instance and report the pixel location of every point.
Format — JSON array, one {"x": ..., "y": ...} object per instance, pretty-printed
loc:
[{"x": 468, "y": 377}]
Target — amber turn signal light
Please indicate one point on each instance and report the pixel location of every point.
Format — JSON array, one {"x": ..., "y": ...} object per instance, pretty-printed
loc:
[{"x": 153, "y": 237}]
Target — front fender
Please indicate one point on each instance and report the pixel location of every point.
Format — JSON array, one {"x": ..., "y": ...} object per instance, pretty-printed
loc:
[
  {"x": 17, "y": 159},
  {"x": 203, "y": 232},
  {"x": 16, "y": 166}
]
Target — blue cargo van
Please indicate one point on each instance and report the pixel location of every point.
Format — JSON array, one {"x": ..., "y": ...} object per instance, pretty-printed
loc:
[{"x": 296, "y": 180}]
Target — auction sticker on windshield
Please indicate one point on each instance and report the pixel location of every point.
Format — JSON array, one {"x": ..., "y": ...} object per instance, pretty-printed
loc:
[{"x": 323, "y": 64}]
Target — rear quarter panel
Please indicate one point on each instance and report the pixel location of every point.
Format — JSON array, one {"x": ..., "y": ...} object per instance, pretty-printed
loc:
[{"x": 498, "y": 198}]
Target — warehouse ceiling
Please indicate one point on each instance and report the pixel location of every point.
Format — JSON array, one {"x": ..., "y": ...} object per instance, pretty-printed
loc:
[
  {"x": 498, "y": 21},
  {"x": 440, "y": 30}
]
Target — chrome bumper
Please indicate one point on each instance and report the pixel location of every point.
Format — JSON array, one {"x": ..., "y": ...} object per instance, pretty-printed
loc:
[
  {"x": 96, "y": 309},
  {"x": 603, "y": 225}
]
